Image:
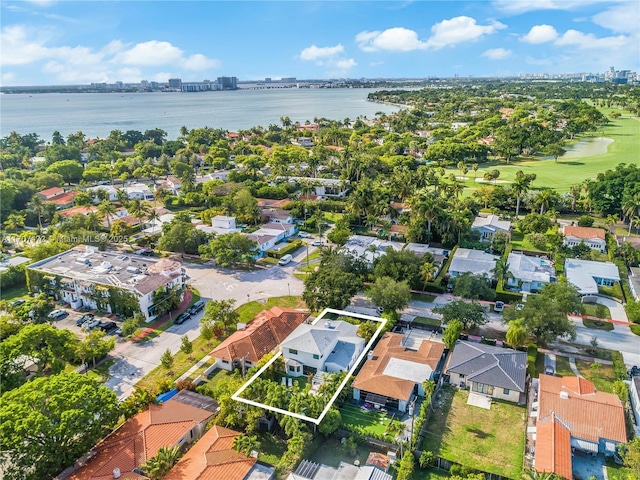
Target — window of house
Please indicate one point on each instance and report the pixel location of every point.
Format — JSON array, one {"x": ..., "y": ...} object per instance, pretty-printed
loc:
[
  {"x": 225, "y": 361},
  {"x": 505, "y": 391},
  {"x": 316, "y": 357},
  {"x": 293, "y": 351},
  {"x": 292, "y": 368}
]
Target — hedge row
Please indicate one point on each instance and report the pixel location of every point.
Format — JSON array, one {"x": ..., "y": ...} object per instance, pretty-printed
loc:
[
  {"x": 14, "y": 276},
  {"x": 532, "y": 356},
  {"x": 291, "y": 247},
  {"x": 619, "y": 368}
]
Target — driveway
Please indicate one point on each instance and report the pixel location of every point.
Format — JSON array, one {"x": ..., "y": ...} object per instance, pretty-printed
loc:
[
  {"x": 617, "y": 309},
  {"x": 135, "y": 360}
]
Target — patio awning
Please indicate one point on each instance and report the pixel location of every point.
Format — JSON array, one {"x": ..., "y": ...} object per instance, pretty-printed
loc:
[{"x": 376, "y": 399}]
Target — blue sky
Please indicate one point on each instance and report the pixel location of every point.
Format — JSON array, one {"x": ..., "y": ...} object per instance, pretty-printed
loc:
[{"x": 47, "y": 42}]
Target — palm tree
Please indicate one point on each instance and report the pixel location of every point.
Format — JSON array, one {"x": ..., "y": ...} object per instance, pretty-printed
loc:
[
  {"x": 245, "y": 444},
  {"x": 426, "y": 273},
  {"x": 520, "y": 187},
  {"x": 429, "y": 386},
  {"x": 545, "y": 199},
  {"x": 630, "y": 207},
  {"x": 475, "y": 171},
  {"x": 138, "y": 209},
  {"x": 152, "y": 216},
  {"x": 123, "y": 197},
  {"x": 37, "y": 204},
  {"x": 501, "y": 269},
  {"x": 574, "y": 191},
  {"x": 160, "y": 464},
  {"x": 93, "y": 221},
  {"x": 106, "y": 209},
  {"x": 14, "y": 221}
]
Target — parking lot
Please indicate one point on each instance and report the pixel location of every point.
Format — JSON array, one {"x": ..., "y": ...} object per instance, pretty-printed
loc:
[{"x": 69, "y": 322}]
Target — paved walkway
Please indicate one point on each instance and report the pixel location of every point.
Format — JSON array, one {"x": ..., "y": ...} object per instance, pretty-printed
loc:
[
  {"x": 198, "y": 364},
  {"x": 573, "y": 356},
  {"x": 574, "y": 367},
  {"x": 167, "y": 318}
]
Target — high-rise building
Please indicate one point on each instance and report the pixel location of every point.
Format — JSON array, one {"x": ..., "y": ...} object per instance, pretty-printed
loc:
[
  {"x": 175, "y": 83},
  {"x": 228, "y": 83}
]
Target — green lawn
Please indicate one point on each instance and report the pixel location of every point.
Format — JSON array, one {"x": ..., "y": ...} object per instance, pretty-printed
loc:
[
  {"x": 431, "y": 474},
  {"x": 373, "y": 421},
  {"x": 597, "y": 324},
  {"x": 489, "y": 440},
  {"x": 432, "y": 322},
  {"x": 13, "y": 293},
  {"x": 331, "y": 453},
  {"x": 248, "y": 311},
  {"x": 286, "y": 302},
  {"x": 561, "y": 175},
  {"x": 563, "y": 368},
  {"x": 618, "y": 472},
  {"x": 271, "y": 448},
  {"x": 519, "y": 242},
  {"x": 591, "y": 310},
  {"x": 603, "y": 379},
  {"x": 422, "y": 297}
]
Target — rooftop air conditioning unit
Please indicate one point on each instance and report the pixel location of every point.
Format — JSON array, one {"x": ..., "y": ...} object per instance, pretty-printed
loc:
[{"x": 564, "y": 395}]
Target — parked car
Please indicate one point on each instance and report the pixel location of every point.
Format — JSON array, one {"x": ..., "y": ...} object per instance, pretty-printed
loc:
[
  {"x": 196, "y": 307},
  {"x": 58, "y": 314},
  {"x": 18, "y": 302},
  {"x": 183, "y": 317},
  {"x": 548, "y": 370},
  {"x": 498, "y": 306},
  {"x": 91, "y": 324},
  {"x": 634, "y": 371},
  {"x": 118, "y": 332},
  {"x": 449, "y": 287},
  {"x": 145, "y": 252},
  {"x": 519, "y": 306},
  {"x": 107, "y": 326},
  {"x": 84, "y": 318},
  {"x": 304, "y": 235},
  {"x": 285, "y": 260},
  {"x": 379, "y": 310},
  {"x": 317, "y": 243}
]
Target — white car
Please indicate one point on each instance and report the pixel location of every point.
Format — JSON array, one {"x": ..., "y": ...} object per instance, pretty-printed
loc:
[
  {"x": 91, "y": 324},
  {"x": 499, "y": 306},
  {"x": 304, "y": 235},
  {"x": 58, "y": 314},
  {"x": 317, "y": 243}
]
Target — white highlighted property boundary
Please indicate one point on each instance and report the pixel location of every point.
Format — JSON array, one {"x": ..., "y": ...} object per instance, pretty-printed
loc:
[{"x": 236, "y": 396}]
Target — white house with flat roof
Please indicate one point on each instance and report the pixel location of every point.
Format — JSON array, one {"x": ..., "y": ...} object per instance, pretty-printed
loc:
[
  {"x": 323, "y": 187},
  {"x": 112, "y": 192},
  {"x": 369, "y": 248},
  {"x": 220, "y": 225},
  {"x": 529, "y": 274},
  {"x": 85, "y": 277},
  {"x": 475, "y": 262},
  {"x": 587, "y": 276},
  {"x": 333, "y": 346},
  {"x": 139, "y": 191},
  {"x": 488, "y": 225}
]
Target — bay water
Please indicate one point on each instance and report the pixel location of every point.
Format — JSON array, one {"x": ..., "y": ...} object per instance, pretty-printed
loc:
[{"x": 96, "y": 114}]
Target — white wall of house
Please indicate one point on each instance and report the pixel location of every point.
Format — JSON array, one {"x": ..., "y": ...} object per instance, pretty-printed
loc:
[
  {"x": 308, "y": 359},
  {"x": 593, "y": 243},
  {"x": 634, "y": 396},
  {"x": 224, "y": 364}
]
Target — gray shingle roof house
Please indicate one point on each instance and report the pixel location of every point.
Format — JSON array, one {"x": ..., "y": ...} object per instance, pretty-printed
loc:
[
  {"x": 475, "y": 262},
  {"x": 495, "y": 371},
  {"x": 488, "y": 225}
]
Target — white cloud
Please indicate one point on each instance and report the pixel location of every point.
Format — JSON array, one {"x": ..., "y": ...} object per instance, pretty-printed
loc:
[
  {"x": 8, "y": 77},
  {"x": 315, "y": 53},
  {"x": 623, "y": 18},
  {"x": 42, "y": 3},
  {"x": 345, "y": 64},
  {"x": 497, "y": 53},
  {"x": 459, "y": 30},
  {"x": 396, "y": 39},
  {"x": 540, "y": 34},
  {"x": 375, "y": 64},
  {"x": 590, "y": 41},
  {"x": 22, "y": 45}
]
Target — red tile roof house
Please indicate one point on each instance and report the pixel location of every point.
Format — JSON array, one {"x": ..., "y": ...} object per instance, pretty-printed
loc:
[
  {"x": 592, "y": 237},
  {"x": 213, "y": 458},
  {"x": 140, "y": 438},
  {"x": 262, "y": 335},
  {"x": 49, "y": 193},
  {"x": 64, "y": 200},
  {"x": 572, "y": 414}
]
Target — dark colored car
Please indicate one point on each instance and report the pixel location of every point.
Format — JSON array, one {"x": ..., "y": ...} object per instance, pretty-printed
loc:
[
  {"x": 145, "y": 252},
  {"x": 183, "y": 317},
  {"x": 84, "y": 318},
  {"x": 196, "y": 307},
  {"x": 18, "y": 302},
  {"x": 107, "y": 326}
]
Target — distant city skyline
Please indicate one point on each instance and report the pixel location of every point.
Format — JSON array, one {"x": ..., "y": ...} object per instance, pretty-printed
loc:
[{"x": 46, "y": 42}]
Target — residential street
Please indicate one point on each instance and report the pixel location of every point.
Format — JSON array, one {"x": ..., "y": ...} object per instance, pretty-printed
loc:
[{"x": 135, "y": 360}]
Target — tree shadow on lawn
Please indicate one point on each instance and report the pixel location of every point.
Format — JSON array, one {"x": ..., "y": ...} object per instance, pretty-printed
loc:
[{"x": 478, "y": 433}]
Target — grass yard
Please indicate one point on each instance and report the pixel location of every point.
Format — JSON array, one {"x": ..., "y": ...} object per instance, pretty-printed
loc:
[
  {"x": 286, "y": 302},
  {"x": 603, "y": 379},
  {"x": 373, "y": 421},
  {"x": 422, "y": 297},
  {"x": 331, "y": 453},
  {"x": 592, "y": 310},
  {"x": 271, "y": 448},
  {"x": 268, "y": 261},
  {"x": 248, "y": 311},
  {"x": 181, "y": 363},
  {"x": 101, "y": 372},
  {"x": 561, "y": 175},
  {"x": 597, "y": 324},
  {"x": 519, "y": 242},
  {"x": 12, "y": 293},
  {"x": 618, "y": 472},
  {"x": 489, "y": 440},
  {"x": 563, "y": 368},
  {"x": 430, "y": 474},
  {"x": 431, "y": 322}
]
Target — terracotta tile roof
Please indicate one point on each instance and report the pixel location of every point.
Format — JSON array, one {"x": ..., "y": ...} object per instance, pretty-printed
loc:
[
  {"x": 335, "y": 148},
  {"x": 152, "y": 282},
  {"x": 378, "y": 460},
  {"x": 270, "y": 203},
  {"x": 62, "y": 199},
  {"x": 213, "y": 458},
  {"x": 591, "y": 414},
  {"x": 82, "y": 210},
  {"x": 399, "y": 228},
  {"x": 49, "y": 192},
  {"x": 372, "y": 377},
  {"x": 583, "y": 232},
  {"x": 139, "y": 439},
  {"x": 264, "y": 333},
  {"x": 553, "y": 447}
]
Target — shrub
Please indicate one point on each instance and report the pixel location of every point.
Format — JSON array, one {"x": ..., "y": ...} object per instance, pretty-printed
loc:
[
  {"x": 186, "y": 385},
  {"x": 532, "y": 355},
  {"x": 290, "y": 247},
  {"x": 538, "y": 240},
  {"x": 619, "y": 368},
  {"x": 585, "y": 221}
]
